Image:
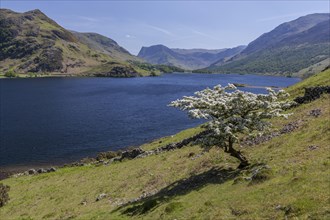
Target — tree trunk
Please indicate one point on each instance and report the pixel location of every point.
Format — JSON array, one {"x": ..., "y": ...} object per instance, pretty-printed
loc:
[{"x": 236, "y": 154}]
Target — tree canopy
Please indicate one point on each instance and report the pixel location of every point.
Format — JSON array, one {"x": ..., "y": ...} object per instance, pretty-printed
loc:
[{"x": 233, "y": 113}]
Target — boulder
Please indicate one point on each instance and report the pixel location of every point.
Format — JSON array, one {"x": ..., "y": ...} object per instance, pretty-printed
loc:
[
  {"x": 41, "y": 170},
  {"x": 101, "y": 196},
  {"x": 32, "y": 171},
  {"x": 131, "y": 154},
  {"x": 312, "y": 93},
  {"x": 315, "y": 112}
]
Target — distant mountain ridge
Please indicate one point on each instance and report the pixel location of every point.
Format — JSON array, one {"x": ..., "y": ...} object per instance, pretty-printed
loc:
[
  {"x": 189, "y": 59},
  {"x": 31, "y": 42},
  {"x": 289, "y": 48}
]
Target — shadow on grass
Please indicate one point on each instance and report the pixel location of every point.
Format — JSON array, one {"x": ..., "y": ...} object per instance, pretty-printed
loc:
[{"x": 178, "y": 188}]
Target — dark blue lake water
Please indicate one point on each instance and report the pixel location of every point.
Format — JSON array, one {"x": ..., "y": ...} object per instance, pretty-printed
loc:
[{"x": 47, "y": 121}]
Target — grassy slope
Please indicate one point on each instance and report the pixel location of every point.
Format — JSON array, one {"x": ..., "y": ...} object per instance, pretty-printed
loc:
[{"x": 299, "y": 183}]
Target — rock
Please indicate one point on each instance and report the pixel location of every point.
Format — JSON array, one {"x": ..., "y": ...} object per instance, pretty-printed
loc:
[
  {"x": 115, "y": 159},
  {"x": 315, "y": 112},
  {"x": 32, "y": 171},
  {"x": 260, "y": 174},
  {"x": 290, "y": 127},
  {"x": 83, "y": 202},
  {"x": 191, "y": 154},
  {"x": 250, "y": 141},
  {"x": 41, "y": 170},
  {"x": 131, "y": 154},
  {"x": 197, "y": 156},
  {"x": 101, "y": 196},
  {"x": 312, "y": 93},
  {"x": 312, "y": 147},
  {"x": 52, "y": 169},
  {"x": 278, "y": 207},
  {"x": 145, "y": 154}
]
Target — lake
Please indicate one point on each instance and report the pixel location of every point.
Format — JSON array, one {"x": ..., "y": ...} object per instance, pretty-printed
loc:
[{"x": 46, "y": 121}]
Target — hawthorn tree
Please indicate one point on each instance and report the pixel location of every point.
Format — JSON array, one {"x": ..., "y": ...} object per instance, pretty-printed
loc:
[{"x": 233, "y": 113}]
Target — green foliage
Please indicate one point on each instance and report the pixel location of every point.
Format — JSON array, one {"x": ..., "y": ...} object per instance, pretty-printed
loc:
[
  {"x": 231, "y": 114},
  {"x": 280, "y": 61},
  {"x": 4, "y": 197},
  {"x": 153, "y": 68},
  {"x": 10, "y": 74}
]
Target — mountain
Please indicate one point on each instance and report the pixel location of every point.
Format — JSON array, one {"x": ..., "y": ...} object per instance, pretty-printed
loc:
[
  {"x": 32, "y": 43},
  {"x": 105, "y": 45},
  {"x": 289, "y": 48},
  {"x": 185, "y": 58}
]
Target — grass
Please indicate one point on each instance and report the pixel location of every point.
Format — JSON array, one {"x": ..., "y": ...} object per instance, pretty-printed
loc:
[
  {"x": 190, "y": 187},
  {"x": 321, "y": 79}
]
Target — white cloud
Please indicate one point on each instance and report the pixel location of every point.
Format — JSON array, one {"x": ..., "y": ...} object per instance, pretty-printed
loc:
[
  {"x": 129, "y": 36},
  {"x": 90, "y": 19},
  {"x": 162, "y": 30},
  {"x": 204, "y": 34}
]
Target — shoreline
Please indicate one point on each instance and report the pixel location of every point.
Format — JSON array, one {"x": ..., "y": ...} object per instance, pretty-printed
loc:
[{"x": 8, "y": 170}]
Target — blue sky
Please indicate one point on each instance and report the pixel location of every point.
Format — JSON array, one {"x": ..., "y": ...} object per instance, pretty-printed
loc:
[{"x": 176, "y": 24}]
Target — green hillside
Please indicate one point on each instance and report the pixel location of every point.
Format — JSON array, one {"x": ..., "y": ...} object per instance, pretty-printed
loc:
[
  {"x": 297, "y": 48},
  {"x": 288, "y": 179},
  {"x": 280, "y": 61}
]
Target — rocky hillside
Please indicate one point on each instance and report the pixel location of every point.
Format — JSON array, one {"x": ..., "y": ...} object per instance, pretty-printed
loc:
[
  {"x": 32, "y": 43},
  {"x": 186, "y": 58},
  {"x": 105, "y": 45},
  {"x": 301, "y": 44}
]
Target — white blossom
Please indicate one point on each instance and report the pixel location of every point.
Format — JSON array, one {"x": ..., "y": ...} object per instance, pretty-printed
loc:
[{"x": 232, "y": 113}]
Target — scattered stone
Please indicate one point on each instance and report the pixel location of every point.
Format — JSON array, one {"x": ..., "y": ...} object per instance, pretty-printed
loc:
[
  {"x": 191, "y": 154},
  {"x": 41, "y": 170},
  {"x": 260, "y": 174},
  {"x": 237, "y": 212},
  {"x": 278, "y": 207},
  {"x": 315, "y": 112},
  {"x": 115, "y": 159},
  {"x": 32, "y": 171},
  {"x": 312, "y": 93},
  {"x": 131, "y": 154},
  {"x": 52, "y": 169},
  {"x": 101, "y": 196},
  {"x": 180, "y": 144},
  {"x": 142, "y": 196},
  {"x": 83, "y": 202},
  {"x": 312, "y": 147},
  {"x": 197, "y": 156},
  {"x": 145, "y": 154},
  {"x": 290, "y": 127}
]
